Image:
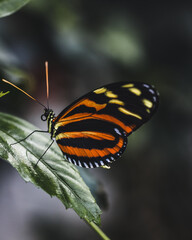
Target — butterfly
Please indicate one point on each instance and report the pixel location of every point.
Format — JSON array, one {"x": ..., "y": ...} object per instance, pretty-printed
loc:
[{"x": 93, "y": 130}]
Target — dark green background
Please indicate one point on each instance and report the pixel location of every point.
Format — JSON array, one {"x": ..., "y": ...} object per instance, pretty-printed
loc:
[{"x": 89, "y": 44}]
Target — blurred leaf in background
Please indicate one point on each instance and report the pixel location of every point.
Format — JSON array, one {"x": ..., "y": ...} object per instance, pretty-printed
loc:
[{"x": 8, "y": 7}]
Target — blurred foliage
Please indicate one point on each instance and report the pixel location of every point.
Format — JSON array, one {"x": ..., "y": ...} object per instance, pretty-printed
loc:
[
  {"x": 8, "y": 7},
  {"x": 92, "y": 43}
]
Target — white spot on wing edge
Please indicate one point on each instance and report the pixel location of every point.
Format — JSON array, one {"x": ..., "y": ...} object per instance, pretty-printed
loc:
[
  {"x": 152, "y": 91},
  {"x": 69, "y": 159},
  {"x": 74, "y": 162},
  {"x": 102, "y": 163},
  {"x": 154, "y": 99},
  {"x": 107, "y": 160},
  {"x": 85, "y": 164},
  {"x": 146, "y": 85},
  {"x": 91, "y": 165},
  {"x": 79, "y": 163},
  {"x": 96, "y": 164},
  {"x": 112, "y": 158},
  {"x": 117, "y": 131}
]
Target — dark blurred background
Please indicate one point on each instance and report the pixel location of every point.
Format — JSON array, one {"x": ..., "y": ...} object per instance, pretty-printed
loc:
[{"x": 89, "y": 44}]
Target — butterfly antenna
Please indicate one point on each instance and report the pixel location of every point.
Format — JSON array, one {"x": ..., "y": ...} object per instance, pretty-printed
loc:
[
  {"x": 47, "y": 83},
  {"x": 23, "y": 92}
]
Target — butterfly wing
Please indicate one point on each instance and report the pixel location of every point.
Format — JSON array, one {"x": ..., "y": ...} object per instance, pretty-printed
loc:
[{"x": 93, "y": 130}]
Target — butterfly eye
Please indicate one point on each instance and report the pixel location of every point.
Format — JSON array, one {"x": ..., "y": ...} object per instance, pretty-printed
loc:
[{"x": 43, "y": 117}]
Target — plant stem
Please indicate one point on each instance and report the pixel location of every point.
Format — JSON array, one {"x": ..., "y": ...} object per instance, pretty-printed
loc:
[
  {"x": 3, "y": 94},
  {"x": 98, "y": 230}
]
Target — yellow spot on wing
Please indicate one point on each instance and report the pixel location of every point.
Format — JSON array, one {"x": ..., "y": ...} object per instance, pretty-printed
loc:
[
  {"x": 100, "y": 90},
  {"x": 128, "y": 85},
  {"x": 136, "y": 91},
  {"x": 125, "y": 111},
  {"x": 116, "y": 101},
  {"x": 147, "y": 103},
  {"x": 110, "y": 94}
]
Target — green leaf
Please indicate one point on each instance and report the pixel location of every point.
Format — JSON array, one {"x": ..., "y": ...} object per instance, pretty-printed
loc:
[
  {"x": 53, "y": 174},
  {"x": 7, "y": 7}
]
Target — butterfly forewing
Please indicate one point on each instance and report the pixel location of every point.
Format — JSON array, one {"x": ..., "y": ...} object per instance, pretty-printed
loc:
[{"x": 93, "y": 130}]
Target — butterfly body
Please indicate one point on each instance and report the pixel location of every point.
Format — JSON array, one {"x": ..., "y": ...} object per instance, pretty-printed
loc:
[{"x": 93, "y": 130}]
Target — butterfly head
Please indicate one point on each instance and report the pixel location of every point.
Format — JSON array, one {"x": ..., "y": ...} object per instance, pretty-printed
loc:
[{"x": 48, "y": 114}]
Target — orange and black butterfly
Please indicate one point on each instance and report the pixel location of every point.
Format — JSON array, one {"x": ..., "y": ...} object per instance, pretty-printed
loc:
[{"x": 93, "y": 130}]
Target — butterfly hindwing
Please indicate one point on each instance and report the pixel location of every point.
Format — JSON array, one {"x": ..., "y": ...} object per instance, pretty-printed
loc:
[
  {"x": 93, "y": 130},
  {"x": 98, "y": 142}
]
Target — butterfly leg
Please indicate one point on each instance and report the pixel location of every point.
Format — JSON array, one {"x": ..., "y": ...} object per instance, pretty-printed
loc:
[
  {"x": 44, "y": 152},
  {"x": 40, "y": 131}
]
